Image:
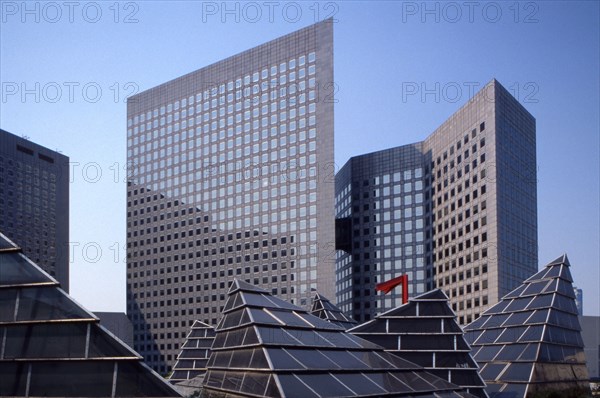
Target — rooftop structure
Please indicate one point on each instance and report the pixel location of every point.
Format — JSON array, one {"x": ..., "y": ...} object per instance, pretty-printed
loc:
[
  {"x": 424, "y": 331},
  {"x": 530, "y": 342},
  {"x": 267, "y": 347},
  {"x": 322, "y": 308},
  {"x": 52, "y": 346},
  {"x": 195, "y": 351}
]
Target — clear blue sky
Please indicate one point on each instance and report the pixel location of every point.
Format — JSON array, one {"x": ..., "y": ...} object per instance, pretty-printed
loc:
[{"x": 82, "y": 59}]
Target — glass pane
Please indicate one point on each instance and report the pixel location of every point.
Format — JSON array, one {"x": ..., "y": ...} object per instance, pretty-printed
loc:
[
  {"x": 487, "y": 353},
  {"x": 344, "y": 359},
  {"x": 535, "y": 288},
  {"x": 373, "y": 326},
  {"x": 489, "y": 336},
  {"x": 518, "y": 304},
  {"x": 312, "y": 359},
  {"x": 260, "y": 316},
  {"x": 16, "y": 270},
  {"x": 241, "y": 358},
  {"x": 8, "y": 299},
  {"x": 409, "y": 325},
  {"x": 291, "y": 386},
  {"x": 518, "y": 318},
  {"x": 281, "y": 360},
  {"x": 433, "y": 308},
  {"x": 233, "y": 382},
  {"x": 517, "y": 372},
  {"x": 86, "y": 379},
  {"x": 253, "y": 383},
  {"x": 46, "y": 341},
  {"x": 511, "y": 335},
  {"x": 325, "y": 385},
  {"x": 289, "y": 319},
  {"x": 541, "y": 302},
  {"x": 13, "y": 379},
  {"x": 491, "y": 371},
  {"x": 530, "y": 353},
  {"x": 235, "y": 338},
  {"x": 136, "y": 379},
  {"x": 511, "y": 352},
  {"x": 44, "y": 303},
  {"x": 387, "y": 382},
  {"x": 533, "y": 333},
  {"x": 360, "y": 384},
  {"x": 539, "y": 316}
]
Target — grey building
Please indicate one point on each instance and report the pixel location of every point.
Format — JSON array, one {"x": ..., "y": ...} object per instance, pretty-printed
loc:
[
  {"x": 34, "y": 203},
  {"x": 230, "y": 177},
  {"x": 457, "y": 211},
  {"x": 590, "y": 333}
]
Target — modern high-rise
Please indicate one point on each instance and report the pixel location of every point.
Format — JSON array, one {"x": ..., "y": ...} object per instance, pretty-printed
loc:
[
  {"x": 457, "y": 211},
  {"x": 34, "y": 203},
  {"x": 230, "y": 177}
]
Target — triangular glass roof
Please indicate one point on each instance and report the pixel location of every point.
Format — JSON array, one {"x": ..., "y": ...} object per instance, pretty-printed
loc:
[
  {"x": 194, "y": 354},
  {"x": 322, "y": 308},
  {"x": 52, "y": 346},
  {"x": 424, "y": 331},
  {"x": 530, "y": 341},
  {"x": 266, "y": 347}
]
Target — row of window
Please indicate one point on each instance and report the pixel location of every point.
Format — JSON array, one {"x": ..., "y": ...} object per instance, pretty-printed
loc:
[{"x": 213, "y": 91}]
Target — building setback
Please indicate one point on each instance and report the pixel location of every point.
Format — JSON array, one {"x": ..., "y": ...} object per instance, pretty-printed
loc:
[
  {"x": 457, "y": 211},
  {"x": 230, "y": 177},
  {"x": 34, "y": 203}
]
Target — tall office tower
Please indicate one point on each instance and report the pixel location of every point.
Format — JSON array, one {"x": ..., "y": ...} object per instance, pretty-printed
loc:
[
  {"x": 475, "y": 229},
  {"x": 231, "y": 176},
  {"x": 380, "y": 205},
  {"x": 34, "y": 203}
]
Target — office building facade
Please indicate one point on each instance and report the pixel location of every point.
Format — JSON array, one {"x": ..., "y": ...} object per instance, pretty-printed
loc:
[
  {"x": 457, "y": 211},
  {"x": 34, "y": 203},
  {"x": 230, "y": 176}
]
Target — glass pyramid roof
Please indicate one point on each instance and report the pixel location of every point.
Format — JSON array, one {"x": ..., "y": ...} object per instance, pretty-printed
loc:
[
  {"x": 530, "y": 342},
  {"x": 424, "y": 331},
  {"x": 323, "y": 308},
  {"x": 195, "y": 351},
  {"x": 52, "y": 346},
  {"x": 266, "y": 347}
]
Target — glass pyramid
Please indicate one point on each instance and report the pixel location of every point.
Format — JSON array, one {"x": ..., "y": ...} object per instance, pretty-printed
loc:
[
  {"x": 266, "y": 347},
  {"x": 195, "y": 351},
  {"x": 530, "y": 342},
  {"x": 51, "y": 346},
  {"x": 323, "y": 308},
  {"x": 424, "y": 331}
]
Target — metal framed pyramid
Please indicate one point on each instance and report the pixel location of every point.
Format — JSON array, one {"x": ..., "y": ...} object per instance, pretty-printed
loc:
[
  {"x": 194, "y": 354},
  {"x": 424, "y": 331},
  {"x": 322, "y": 308},
  {"x": 51, "y": 346},
  {"x": 530, "y": 342},
  {"x": 266, "y": 347}
]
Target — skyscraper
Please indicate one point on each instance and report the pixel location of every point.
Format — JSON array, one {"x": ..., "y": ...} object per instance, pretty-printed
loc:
[
  {"x": 457, "y": 211},
  {"x": 34, "y": 203},
  {"x": 231, "y": 176}
]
